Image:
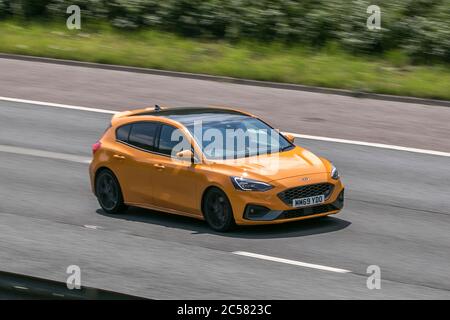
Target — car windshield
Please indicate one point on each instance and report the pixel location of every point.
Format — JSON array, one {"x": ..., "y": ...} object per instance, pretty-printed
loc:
[{"x": 232, "y": 136}]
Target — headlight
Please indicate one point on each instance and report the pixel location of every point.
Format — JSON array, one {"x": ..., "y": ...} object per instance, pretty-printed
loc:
[
  {"x": 245, "y": 184},
  {"x": 334, "y": 172}
]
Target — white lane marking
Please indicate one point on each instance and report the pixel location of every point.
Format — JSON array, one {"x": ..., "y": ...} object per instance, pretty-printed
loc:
[
  {"x": 20, "y": 287},
  {"x": 57, "y": 105},
  {"x": 44, "y": 154},
  {"x": 57, "y": 294},
  {"x": 292, "y": 262},
  {"x": 302, "y": 136},
  {"x": 88, "y": 226},
  {"x": 372, "y": 144}
]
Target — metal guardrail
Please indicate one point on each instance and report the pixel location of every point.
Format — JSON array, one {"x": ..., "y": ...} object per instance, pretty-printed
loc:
[{"x": 17, "y": 286}]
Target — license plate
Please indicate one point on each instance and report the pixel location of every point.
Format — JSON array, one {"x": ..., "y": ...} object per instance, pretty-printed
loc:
[{"x": 309, "y": 201}]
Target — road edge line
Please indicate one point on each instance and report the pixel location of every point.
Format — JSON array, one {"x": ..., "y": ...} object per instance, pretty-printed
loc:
[
  {"x": 58, "y": 105},
  {"x": 372, "y": 144},
  {"x": 297, "y": 135}
]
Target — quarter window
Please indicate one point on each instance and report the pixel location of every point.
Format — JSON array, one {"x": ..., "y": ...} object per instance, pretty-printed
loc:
[{"x": 123, "y": 132}]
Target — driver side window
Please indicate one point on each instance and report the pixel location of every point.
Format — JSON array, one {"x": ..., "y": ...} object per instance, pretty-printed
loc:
[{"x": 172, "y": 140}]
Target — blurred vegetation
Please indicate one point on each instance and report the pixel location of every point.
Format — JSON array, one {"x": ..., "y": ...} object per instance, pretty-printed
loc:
[
  {"x": 329, "y": 66},
  {"x": 420, "y": 28},
  {"x": 313, "y": 42}
]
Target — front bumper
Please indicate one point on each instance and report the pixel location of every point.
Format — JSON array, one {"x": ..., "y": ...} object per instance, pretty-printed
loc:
[
  {"x": 258, "y": 213},
  {"x": 252, "y": 208}
]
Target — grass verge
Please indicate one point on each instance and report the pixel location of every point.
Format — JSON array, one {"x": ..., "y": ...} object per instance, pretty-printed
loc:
[{"x": 327, "y": 67}]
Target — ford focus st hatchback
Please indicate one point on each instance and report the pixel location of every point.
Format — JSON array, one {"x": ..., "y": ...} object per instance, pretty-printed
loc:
[{"x": 221, "y": 165}]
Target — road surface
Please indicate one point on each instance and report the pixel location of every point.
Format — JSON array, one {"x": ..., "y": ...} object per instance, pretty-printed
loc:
[
  {"x": 396, "y": 216},
  {"x": 404, "y": 124},
  {"x": 397, "y": 213}
]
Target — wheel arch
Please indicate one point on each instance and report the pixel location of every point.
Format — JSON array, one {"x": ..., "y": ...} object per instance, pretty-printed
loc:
[
  {"x": 207, "y": 189},
  {"x": 100, "y": 170},
  {"x": 230, "y": 222}
]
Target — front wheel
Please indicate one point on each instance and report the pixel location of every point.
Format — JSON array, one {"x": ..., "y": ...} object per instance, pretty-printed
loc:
[
  {"x": 217, "y": 210},
  {"x": 108, "y": 192}
]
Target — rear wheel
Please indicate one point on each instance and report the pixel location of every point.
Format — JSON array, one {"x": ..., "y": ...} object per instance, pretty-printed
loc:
[
  {"x": 108, "y": 192},
  {"x": 217, "y": 210}
]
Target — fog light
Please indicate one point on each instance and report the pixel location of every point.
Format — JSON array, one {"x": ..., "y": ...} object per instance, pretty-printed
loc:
[{"x": 253, "y": 211}]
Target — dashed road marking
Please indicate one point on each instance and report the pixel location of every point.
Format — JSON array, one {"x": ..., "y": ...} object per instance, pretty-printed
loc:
[
  {"x": 88, "y": 226},
  {"x": 291, "y": 262},
  {"x": 44, "y": 154}
]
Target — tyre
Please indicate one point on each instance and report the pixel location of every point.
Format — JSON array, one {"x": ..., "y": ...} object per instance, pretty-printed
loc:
[
  {"x": 108, "y": 192},
  {"x": 217, "y": 210}
]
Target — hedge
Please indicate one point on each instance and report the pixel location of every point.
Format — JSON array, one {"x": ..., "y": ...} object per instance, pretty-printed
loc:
[{"x": 420, "y": 28}]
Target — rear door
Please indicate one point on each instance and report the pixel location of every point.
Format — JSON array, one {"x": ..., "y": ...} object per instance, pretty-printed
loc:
[{"x": 133, "y": 160}]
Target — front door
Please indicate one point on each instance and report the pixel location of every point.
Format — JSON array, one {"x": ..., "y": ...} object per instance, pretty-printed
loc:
[{"x": 175, "y": 184}]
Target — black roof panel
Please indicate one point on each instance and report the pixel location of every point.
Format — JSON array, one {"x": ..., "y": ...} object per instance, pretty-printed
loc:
[
  {"x": 188, "y": 111},
  {"x": 188, "y": 116}
]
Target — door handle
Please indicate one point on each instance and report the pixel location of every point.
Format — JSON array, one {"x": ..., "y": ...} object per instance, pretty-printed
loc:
[
  {"x": 118, "y": 157},
  {"x": 159, "y": 166}
]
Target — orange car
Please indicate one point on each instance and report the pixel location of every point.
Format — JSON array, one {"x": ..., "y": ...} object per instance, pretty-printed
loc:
[{"x": 222, "y": 165}]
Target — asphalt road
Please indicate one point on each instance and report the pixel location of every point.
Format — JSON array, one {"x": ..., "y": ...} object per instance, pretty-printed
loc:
[
  {"x": 396, "y": 216},
  {"x": 404, "y": 124}
]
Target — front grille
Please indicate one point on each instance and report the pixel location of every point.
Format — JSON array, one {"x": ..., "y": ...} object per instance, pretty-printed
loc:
[{"x": 306, "y": 191}]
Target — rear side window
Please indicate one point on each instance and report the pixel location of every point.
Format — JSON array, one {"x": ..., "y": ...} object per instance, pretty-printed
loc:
[
  {"x": 123, "y": 132},
  {"x": 142, "y": 135},
  {"x": 170, "y": 138}
]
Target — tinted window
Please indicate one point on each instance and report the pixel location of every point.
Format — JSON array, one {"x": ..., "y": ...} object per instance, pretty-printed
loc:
[
  {"x": 142, "y": 135},
  {"x": 123, "y": 132},
  {"x": 169, "y": 139}
]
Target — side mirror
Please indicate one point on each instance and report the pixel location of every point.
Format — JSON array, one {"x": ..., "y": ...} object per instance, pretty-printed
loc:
[
  {"x": 186, "y": 155},
  {"x": 290, "y": 137}
]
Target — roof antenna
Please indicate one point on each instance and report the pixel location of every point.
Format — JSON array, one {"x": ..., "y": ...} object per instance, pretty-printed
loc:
[{"x": 157, "y": 108}]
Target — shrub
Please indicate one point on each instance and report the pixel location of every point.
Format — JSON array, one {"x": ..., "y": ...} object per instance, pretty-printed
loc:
[{"x": 419, "y": 27}]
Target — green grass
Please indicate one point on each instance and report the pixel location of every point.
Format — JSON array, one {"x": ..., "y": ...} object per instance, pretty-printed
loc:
[{"x": 328, "y": 67}]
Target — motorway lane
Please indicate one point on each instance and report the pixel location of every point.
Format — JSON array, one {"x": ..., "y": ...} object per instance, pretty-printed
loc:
[
  {"x": 403, "y": 124},
  {"x": 396, "y": 216}
]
